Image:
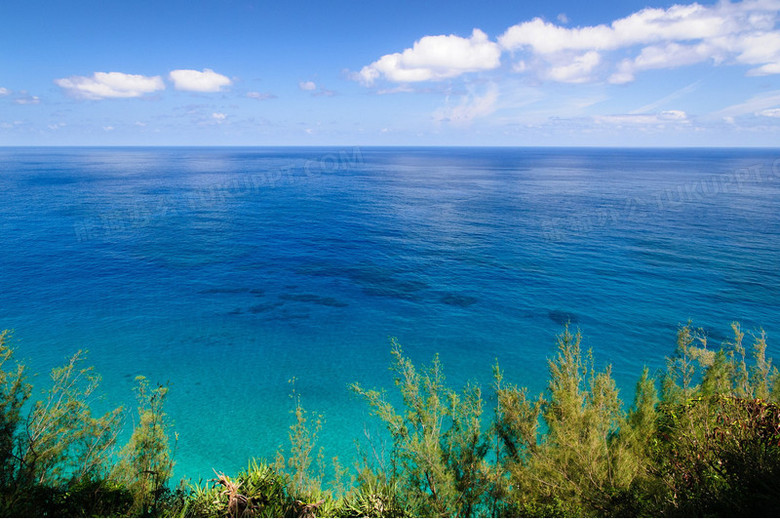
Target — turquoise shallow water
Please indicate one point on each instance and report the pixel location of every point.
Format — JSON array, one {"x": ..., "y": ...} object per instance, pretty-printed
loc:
[{"x": 228, "y": 271}]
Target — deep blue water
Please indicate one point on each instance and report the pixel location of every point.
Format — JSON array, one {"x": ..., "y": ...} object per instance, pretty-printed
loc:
[{"x": 228, "y": 271}]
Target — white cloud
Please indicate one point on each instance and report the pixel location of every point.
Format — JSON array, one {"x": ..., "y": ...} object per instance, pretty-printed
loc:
[
  {"x": 396, "y": 90},
  {"x": 219, "y": 116},
  {"x": 577, "y": 70},
  {"x": 755, "y": 104},
  {"x": 520, "y": 66},
  {"x": 4, "y": 91},
  {"x": 315, "y": 89},
  {"x": 740, "y": 33},
  {"x": 734, "y": 33},
  {"x": 669, "y": 97},
  {"x": 674, "y": 115},
  {"x": 260, "y": 96},
  {"x": 759, "y": 48},
  {"x": 678, "y": 23},
  {"x": 770, "y": 112},
  {"x": 27, "y": 100},
  {"x": 671, "y": 55},
  {"x": 104, "y": 85},
  {"x": 198, "y": 81},
  {"x": 469, "y": 108},
  {"x": 765, "y": 70},
  {"x": 622, "y": 76},
  {"x": 108, "y": 128},
  {"x": 434, "y": 58},
  {"x": 626, "y": 119},
  {"x": 662, "y": 118}
]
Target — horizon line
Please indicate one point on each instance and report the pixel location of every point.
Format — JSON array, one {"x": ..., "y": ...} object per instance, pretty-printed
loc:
[{"x": 387, "y": 146}]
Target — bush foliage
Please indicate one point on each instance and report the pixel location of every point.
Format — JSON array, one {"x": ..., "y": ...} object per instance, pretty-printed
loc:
[{"x": 701, "y": 438}]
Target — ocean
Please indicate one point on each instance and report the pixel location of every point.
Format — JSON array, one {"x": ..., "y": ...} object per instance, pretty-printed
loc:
[{"x": 226, "y": 273}]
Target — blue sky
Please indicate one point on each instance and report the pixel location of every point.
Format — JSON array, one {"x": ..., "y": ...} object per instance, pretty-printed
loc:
[{"x": 560, "y": 73}]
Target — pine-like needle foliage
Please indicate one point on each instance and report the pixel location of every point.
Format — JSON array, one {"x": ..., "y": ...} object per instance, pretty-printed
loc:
[{"x": 706, "y": 444}]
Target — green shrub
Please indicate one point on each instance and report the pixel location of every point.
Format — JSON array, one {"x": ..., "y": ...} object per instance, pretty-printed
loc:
[
  {"x": 258, "y": 491},
  {"x": 575, "y": 462},
  {"x": 146, "y": 462},
  {"x": 439, "y": 448},
  {"x": 374, "y": 496},
  {"x": 55, "y": 460}
]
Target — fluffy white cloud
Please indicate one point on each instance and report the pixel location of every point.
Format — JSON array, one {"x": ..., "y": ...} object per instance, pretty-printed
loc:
[
  {"x": 4, "y": 91},
  {"x": 679, "y": 22},
  {"x": 219, "y": 116},
  {"x": 198, "y": 81},
  {"x": 742, "y": 33},
  {"x": 307, "y": 85},
  {"x": 435, "y": 57},
  {"x": 104, "y": 85},
  {"x": 738, "y": 33}
]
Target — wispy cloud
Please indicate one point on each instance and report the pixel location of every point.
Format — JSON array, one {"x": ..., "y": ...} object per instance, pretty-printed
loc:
[
  {"x": 27, "y": 100},
  {"x": 662, "y": 118},
  {"x": 667, "y": 98},
  {"x": 260, "y": 96},
  {"x": 575, "y": 70},
  {"x": 751, "y": 106},
  {"x": 324, "y": 92},
  {"x": 469, "y": 107}
]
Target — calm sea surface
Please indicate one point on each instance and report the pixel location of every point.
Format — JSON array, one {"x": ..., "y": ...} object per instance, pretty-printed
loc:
[{"x": 226, "y": 272}]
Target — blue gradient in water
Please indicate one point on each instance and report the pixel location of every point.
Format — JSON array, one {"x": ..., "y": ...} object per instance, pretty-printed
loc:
[{"x": 228, "y": 271}]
